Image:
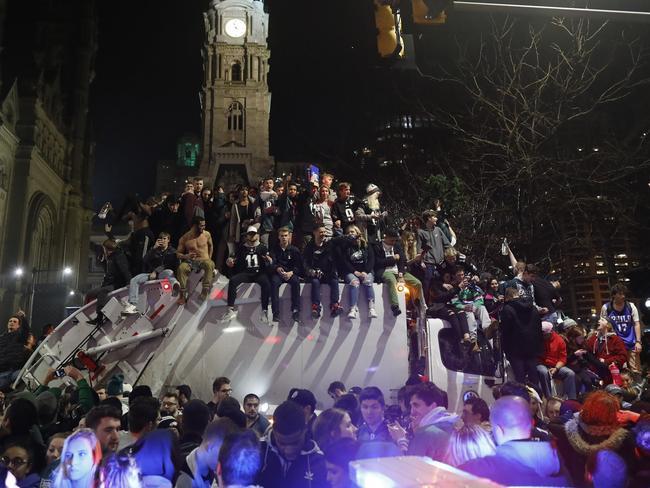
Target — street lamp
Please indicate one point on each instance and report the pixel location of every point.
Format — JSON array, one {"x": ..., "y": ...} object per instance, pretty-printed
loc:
[{"x": 19, "y": 272}]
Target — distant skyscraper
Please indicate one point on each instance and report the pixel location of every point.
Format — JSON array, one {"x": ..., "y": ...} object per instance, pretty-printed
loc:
[{"x": 235, "y": 96}]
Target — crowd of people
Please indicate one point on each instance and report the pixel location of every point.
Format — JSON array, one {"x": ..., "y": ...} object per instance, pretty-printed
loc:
[
  {"x": 116, "y": 436},
  {"x": 576, "y": 413}
]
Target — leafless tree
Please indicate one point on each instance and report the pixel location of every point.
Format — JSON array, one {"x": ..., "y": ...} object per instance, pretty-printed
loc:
[{"x": 538, "y": 152}]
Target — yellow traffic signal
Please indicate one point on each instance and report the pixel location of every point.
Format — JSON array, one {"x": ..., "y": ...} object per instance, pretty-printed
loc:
[
  {"x": 388, "y": 43},
  {"x": 430, "y": 12}
]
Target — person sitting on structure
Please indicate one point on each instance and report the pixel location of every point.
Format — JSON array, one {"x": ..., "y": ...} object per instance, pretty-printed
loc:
[
  {"x": 286, "y": 269},
  {"x": 250, "y": 262},
  {"x": 116, "y": 276},
  {"x": 195, "y": 252},
  {"x": 159, "y": 263}
]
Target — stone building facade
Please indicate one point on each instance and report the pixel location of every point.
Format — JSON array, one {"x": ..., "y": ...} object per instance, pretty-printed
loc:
[
  {"x": 235, "y": 96},
  {"x": 46, "y": 148}
]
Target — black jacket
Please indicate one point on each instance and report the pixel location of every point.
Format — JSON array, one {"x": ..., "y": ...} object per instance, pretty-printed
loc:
[
  {"x": 164, "y": 220},
  {"x": 14, "y": 354},
  {"x": 383, "y": 261},
  {"x": 117, "y": 270},
  {"x": 317, "y": 259},
  {"x": 352, "y": 257},
  {"x": 288, "y": 212},
  {"x": 157, "y": 260},
  {"x": 307, "y": 471},
  {"x": 521, "y": 329},
  {"x": 288, "y": 259}
]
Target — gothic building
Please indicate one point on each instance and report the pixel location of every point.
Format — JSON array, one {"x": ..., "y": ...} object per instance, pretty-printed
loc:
[
  {"x": 235, "y": 96},
  {"x": 46, "y": 148}
]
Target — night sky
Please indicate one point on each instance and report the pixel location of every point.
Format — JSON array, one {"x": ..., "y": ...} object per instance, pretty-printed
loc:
[
  {"x": 146, "y": 90},
  {"x": 326, "y": 92}
]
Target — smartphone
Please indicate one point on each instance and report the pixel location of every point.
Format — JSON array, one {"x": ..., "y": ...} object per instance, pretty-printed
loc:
[{"x": 59, "y": 373}]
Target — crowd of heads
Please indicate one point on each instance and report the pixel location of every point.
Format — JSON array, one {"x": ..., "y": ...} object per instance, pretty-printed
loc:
[{"x": 580, "y": 399}]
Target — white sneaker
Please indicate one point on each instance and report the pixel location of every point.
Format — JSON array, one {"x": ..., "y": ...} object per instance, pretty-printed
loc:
[
  {"x": 229, "y": 315},
  {"x": 264, "y": 317},
  {"x": 372, "y": 313},
  {"x": 353, "y": 313},
  {"x": 130, "y": 309}
]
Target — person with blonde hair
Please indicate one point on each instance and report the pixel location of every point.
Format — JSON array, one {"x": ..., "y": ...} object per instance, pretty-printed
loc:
[
  {"x": 603, "y": 349},
  {"x": 80, "y": 458},
  {"x": 358, "y": 262},
  {"x": 467, "y": 443}
]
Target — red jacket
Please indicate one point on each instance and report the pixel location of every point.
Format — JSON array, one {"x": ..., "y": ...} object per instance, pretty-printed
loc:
[
  {"x": 554, "y": 351},
  {"x": 612, "y": 350}
]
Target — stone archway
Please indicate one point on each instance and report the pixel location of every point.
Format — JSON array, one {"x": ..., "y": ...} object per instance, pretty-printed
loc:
[{"x": 40, "y": 235}]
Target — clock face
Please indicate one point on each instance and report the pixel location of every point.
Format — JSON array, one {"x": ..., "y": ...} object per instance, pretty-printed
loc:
[{"x": 235, "y": 28}]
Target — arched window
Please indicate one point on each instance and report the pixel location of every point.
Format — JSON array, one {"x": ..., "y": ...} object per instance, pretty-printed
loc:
[
  {"x": 41, "y": 228},
  {"x": 236, "y": 117},
  {"x": 236, "y": 72}
]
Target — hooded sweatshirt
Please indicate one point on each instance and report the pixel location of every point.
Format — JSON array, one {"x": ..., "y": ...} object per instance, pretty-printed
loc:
[
  {"x": 190, "y": 477},
  {"x": 610, "y": 348},
  {"x": 432, "y": 435},
  {"x": 554, "y": 351},
  {"x": 30, "y": 481},
  {"x": 521, "y": 329},
  {"x": 520, "y": 462},
  {"x": 307, "y": 471}
]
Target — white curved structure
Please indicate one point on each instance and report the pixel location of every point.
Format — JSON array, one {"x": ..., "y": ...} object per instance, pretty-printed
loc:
[{"x": 172, "y": 345}]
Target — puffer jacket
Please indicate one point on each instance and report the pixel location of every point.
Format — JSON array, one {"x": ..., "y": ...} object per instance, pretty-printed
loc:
[{"x": 576, "y": 445}]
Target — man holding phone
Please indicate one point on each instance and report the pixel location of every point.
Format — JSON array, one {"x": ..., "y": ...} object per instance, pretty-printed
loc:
[{"x": 159, "y": 263}]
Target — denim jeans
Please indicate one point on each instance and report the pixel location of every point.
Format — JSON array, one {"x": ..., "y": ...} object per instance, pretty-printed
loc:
[
  {"x": 567, "y": 376},
  {"x": 354, "y": 290},
  {"x": 137, "y": 280},
  {"x": 315, "y": 289},
  {"x": 293, "y": 283}
]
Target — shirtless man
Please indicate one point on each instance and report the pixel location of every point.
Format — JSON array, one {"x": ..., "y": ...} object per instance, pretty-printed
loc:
[{"x": 194, "y": 251}]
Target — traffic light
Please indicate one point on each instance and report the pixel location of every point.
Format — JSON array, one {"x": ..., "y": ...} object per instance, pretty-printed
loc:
[
  {"x": 388, "y": 41},
  {"x": 430, "y": 12}
]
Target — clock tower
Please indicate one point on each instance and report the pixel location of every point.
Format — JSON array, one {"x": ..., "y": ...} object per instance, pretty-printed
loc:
[{"x": 235, "y": 98}]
